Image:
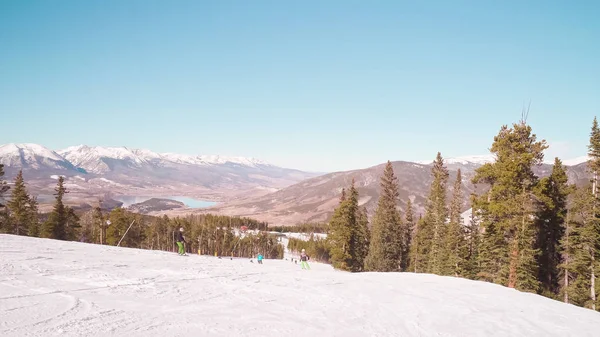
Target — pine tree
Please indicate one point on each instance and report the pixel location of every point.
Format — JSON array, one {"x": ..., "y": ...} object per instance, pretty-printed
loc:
[
  {"x": 56, "y": 225},
  {"x": 552, "y": 194},
  {"x": 34, "y": 219},
  {"x": 473, "y": 237},
  {"x": 507, "y": 253},
  {"x": 594, "y": 167},
  {"x": 419, "y": 247},
  {"x": 408, "y": 232},
  {"x": 361, "y": 240},
  {"x": 582, "y": 249},
  {"x": 434, "y": 231},
  {"x": 18, "y": 206},
  {"x": 3, "y": 213},
  {"x": 456, "y": 246},
  {"x": 385, "y": 249},
  {"x": 348, "y": 233}
]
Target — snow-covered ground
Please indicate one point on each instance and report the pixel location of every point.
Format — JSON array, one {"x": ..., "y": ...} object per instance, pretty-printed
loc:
[{"x": 54, "y": 288}]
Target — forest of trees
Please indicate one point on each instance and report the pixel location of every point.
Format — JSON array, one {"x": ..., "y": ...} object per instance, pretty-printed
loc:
[
  {"x": 205, "y": 234},
  {"x": 539, "y": 235},
  {"x": 533, "y": 234}
]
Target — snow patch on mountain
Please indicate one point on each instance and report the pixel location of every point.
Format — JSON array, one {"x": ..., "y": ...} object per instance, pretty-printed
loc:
[
  {"x": 465, "y": 160},
  {"x": 576, "y": 161}
]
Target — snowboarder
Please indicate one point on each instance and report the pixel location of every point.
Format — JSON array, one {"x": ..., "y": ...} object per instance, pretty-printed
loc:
[
  {"x": 180, "y": 241},
  {"x": 259, "y": 258},
  {"x": 304, "y": 258}
]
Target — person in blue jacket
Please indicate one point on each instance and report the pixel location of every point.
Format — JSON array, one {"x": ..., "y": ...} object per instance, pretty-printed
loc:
[{"x": 259, "y": 258}]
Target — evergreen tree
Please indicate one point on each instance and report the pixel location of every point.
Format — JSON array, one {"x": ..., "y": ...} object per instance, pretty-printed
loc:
[
  {"x": 434, "y": 230},
  {"x": 507, "y": 252},
  {"x": 419, "y": 247},
  {"x": 3, "y": 214},
  {"x": 56, "y": 225},
  {"x": 348, "y": 233},
  {"x": 18, "y": 206},
  {"x": 552, "y": 195},
  {"x": 34, "y": 219},
  {"x": 408, "y": 232},
  {"x": 473, "y": 237},
  {"x": 582, "y": 249},
  {"x": 385, "y": 249},
  {"x": 456, "y": 246}
]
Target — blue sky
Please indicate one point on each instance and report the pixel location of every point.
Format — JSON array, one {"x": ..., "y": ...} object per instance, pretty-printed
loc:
[{"x": 316, "y": 85}]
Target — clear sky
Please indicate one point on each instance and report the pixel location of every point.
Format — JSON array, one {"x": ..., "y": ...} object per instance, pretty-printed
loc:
[{"x": 316, "y": 85}]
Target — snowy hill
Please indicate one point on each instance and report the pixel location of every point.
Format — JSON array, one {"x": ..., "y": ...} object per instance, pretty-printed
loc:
[{"x": 51, "y": 288}]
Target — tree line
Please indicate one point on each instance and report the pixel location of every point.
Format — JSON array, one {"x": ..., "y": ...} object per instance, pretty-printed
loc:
[
  {"x": 205, "y": 234},
  {"x": 539, "y": 235}
]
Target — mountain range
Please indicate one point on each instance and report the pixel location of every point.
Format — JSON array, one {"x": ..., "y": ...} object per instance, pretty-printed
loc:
[
  {"x": 91, "y": 172},
  {"x": 241, "y": 186},
  {"x": 314, "y": 199}
]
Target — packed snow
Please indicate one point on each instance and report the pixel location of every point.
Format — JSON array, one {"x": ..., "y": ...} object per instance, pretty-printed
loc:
[{"x": 51, "y": 288}]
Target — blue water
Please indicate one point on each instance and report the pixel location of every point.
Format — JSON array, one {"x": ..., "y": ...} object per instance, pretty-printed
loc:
[{"x": 189, "y": 202}]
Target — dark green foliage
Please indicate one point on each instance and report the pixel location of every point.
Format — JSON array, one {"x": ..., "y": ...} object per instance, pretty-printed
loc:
[
  {"x": 473, "y": 237},
  {"x": 407, "y": 235},
  {"x": 4, "y": 226},
  {"x": 57, "y": 226},
  {"x": 552, "y": 195},
  {"x": 318, "y": 249},
  {"x": 508, "y": 253},
  {"x": 348, "y": 233},
  {"x": 302, "y": 228},
  {"x": 34, "y": 218},
  {"x": 456, "y": 244},
  {"x": 581, "y": 246},
  {"x": 18, "y": 207},
  {"x": 429, "y": 254},
  {"x": 385, "y": 249}
]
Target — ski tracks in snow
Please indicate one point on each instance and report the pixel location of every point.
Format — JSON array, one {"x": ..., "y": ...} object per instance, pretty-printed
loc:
[{"x": 72, "y": 289}]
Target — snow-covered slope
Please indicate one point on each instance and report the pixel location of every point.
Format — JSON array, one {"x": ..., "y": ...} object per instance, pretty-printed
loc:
[
  {"x": 51, "y": 288},
  {"x": 33, "y": 156}
]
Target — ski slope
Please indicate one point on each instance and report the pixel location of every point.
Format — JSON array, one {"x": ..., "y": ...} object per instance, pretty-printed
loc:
[{"x": 54, "y": 288}]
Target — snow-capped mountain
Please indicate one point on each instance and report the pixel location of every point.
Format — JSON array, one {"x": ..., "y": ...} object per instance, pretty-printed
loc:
[
  {"x": 90, "y": 170},
  {"x": 100, "y": 160},
  {"x": 33, "y": 156}
]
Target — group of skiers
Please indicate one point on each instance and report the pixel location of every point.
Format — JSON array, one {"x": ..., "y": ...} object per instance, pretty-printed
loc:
[{"x": 181, "y": 241}]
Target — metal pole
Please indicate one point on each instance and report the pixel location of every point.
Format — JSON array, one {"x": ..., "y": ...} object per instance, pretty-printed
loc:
[{"x": 125, "y": 233}]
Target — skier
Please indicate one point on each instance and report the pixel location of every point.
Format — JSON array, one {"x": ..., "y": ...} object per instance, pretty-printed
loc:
[
  {"x": 181, "y": 241},
  {"x": 259, "y": 258},
  {"x": 304, "y": 258}
]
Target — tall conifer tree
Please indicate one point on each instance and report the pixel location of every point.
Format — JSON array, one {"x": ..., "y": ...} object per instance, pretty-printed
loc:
[
  {"x": 3, "y": 213},
  {"x": 508, "y": 253},
  {"x": 456, "y": 246},
  {"x": 56, "y": 225},
  {"x": 385, "y": 250},
  {"x": 19, "y": 206},
  {"x": 348, "y": 233},
  {"x": 434, "y": 233},
  {"x": 552, "y": 210},
  {"x": 408, "y": 232}
]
